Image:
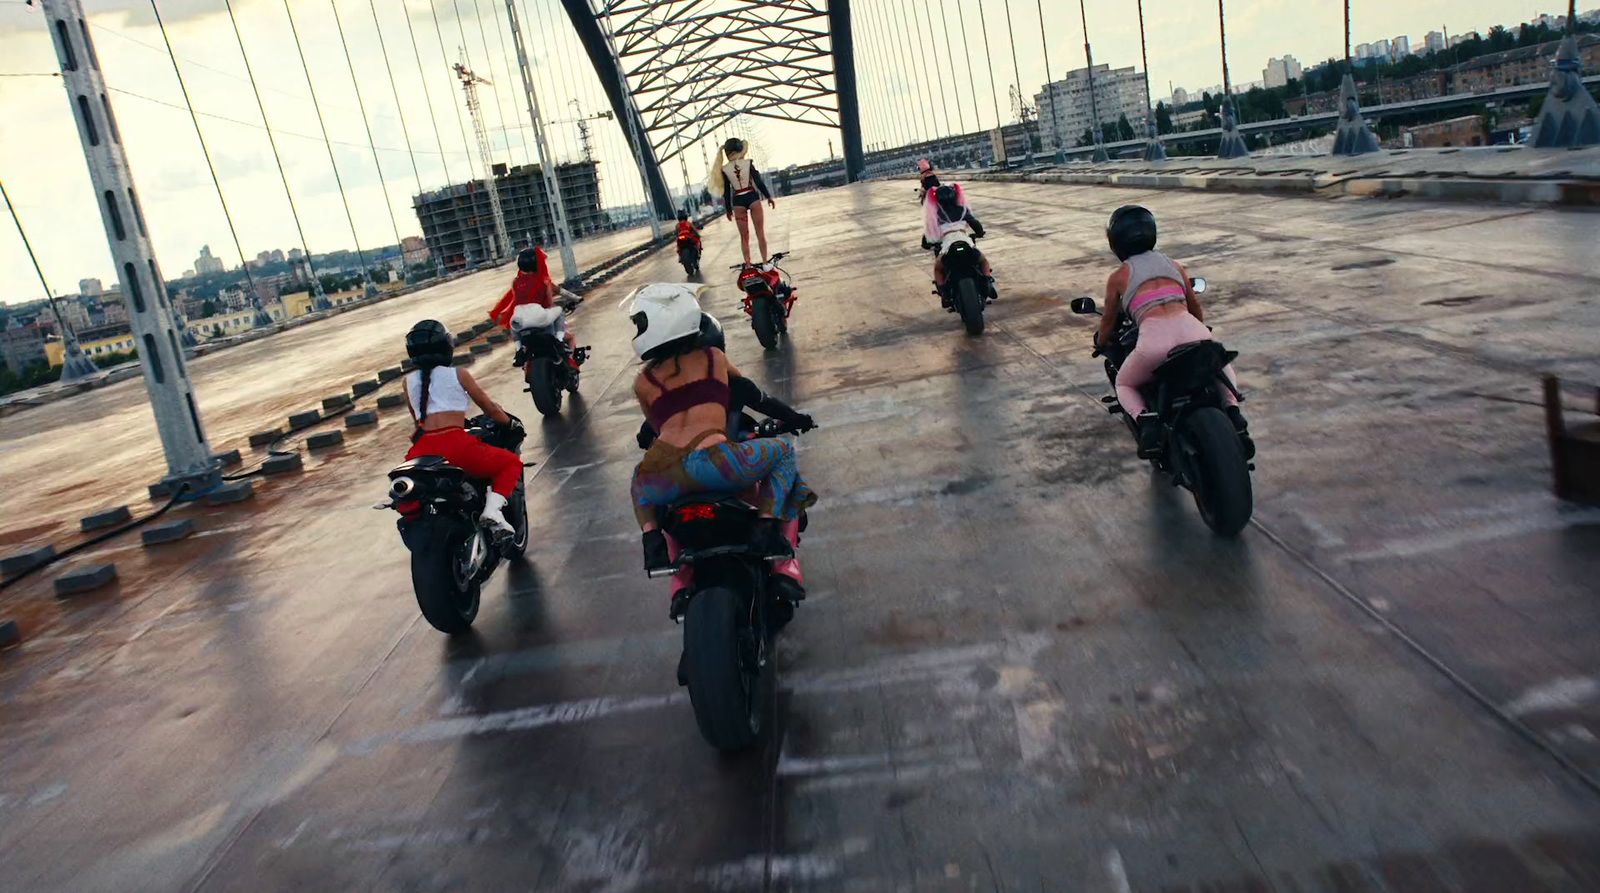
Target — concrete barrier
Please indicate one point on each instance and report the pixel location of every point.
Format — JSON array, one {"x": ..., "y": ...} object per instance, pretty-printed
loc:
[
  {"x": 324, "y": 440},
  {"x": 363, "y": 388},
  {"x": 85, "y": 578},
  {"x": 302, "y": 419},
  {"x": 228, "y": 459},
  {"x": 265, "y": 438},
  {"x": 17, "y": 562},
  {"x": 282, "y": 464},
  {"x": 390, "y": 374},
  {"x": 361, "y": 419},
  {"x": 107, "y": 518},
  {"x": 391, "y": 401},
  {"x": 498, "y": 338},
  {"x": 481, "y": 348},
  {"x": 166, "y": 531},
  {"x": 231, "y": 492},
  {"x": 463, "y": 359},
  {"x": 337, "y": 401}
]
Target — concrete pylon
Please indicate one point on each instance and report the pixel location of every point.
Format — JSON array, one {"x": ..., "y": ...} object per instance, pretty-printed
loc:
[
  {"x": 1352, "y": 136},
  {"x": 75, "y": 363},
  {"x": 1569, "y": 116},
  {"x": 262, "y": 319},
  {"x": 150, "y": 316},
  {"x": 1232, "y": 145},
  {"x": 1154, "y": 149}
]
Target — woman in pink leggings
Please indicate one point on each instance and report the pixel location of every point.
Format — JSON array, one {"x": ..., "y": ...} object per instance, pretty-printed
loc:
[{"x": 1155, "y": 292}]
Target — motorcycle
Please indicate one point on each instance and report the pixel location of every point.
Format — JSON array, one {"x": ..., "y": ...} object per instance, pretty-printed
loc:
[
  {"x": 452, "y": 553},
  {"x": 544, "y": 356},
  {"x": 726, "y": 613},
  {"x": 965, "y": 286},
  {"x": 689, "y": 256},
  {"x": 768, "y": 298},
  {"x": 1199, "y": 446}
]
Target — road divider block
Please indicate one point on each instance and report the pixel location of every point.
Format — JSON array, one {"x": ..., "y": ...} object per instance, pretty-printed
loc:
[
  {"x": 391, "y": 401},
  {"x": 301, "y": 419},
  {"x": 390, "y": 374},
  {"x": 282, "y": 464},
  {"x": 463, "y": 359},
  {"x": 228, "y": 459},
  {"x": 85, "y": 578},
  {"x": 231, "y": 492},
  {"x": 325, "y": 439},
  {"x": 361, "y": 419},
  {"x": 466, "y": 335},
  {"x": 265, "y": 438},
  {"x": 10, "y": 636},
  {"x": 407, "y": 364},
  {"x": 107, "y": 518},
  {"x": 337, "y": 401},
  {"x": 498, "y": 337},
  {"x": 17, "y": 562},
  {"x": 363, "y": 388},
  {"x": 166, "y": 531},
  {"x": 481, "y": 348}
]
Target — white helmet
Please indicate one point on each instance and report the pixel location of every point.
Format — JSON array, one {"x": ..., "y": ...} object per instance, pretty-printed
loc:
[{"x": 662, "y": 312}]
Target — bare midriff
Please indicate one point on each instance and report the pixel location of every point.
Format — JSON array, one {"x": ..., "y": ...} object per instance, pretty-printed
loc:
[{"x": 440, "y": 421}]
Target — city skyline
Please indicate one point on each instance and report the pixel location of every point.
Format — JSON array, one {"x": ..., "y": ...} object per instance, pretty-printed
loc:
[{"x": 54, "y": 198}]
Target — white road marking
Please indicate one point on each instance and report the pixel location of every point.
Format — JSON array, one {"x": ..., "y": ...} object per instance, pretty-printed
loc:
[
  {"x": 1116, "y": 872},
  {"x": 1558, "y": 694}
]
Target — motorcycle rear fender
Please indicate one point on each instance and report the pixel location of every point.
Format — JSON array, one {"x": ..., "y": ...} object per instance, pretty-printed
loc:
[{"x": 419, "y": 532}]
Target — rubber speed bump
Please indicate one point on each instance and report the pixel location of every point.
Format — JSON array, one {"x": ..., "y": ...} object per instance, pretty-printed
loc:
[
  {"x": 85, "y": 578},
  {"x": 363, "y": 388},
  {"x": 282, "y": 464},
  {"x": 10, "y": 636},
  {"x": 391, "y": 401},
  {"x": 107, "y": 518},
  {"x": 231, "y": 492},
  {"x": 337, "y": 401},
  {"x": 482, "y": 348},
  {"x": 361, "y": 419},
  {"x": 265, "y": 438},
  {"x": 21, "y": 561},
  {"x": 167, "y": 531},
  {"x": 324, "y": 440},
  {"x": 231, "y": 457},
  {"x": 302, "y": 419}
]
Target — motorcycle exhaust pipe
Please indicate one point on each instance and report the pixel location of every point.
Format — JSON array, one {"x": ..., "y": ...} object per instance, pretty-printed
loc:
[{"x": 401, "y": 487}]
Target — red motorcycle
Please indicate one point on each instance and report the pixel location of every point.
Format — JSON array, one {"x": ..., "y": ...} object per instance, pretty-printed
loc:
[{"x": 768, "y": 298}]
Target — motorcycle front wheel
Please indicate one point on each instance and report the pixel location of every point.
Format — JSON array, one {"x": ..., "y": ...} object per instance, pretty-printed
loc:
[
  {"x": 1219, "y": 472},
  {"x": 729, "y": 697},
  {"x": 445, "y": 592},
  {"x": 543, "y": 385}
]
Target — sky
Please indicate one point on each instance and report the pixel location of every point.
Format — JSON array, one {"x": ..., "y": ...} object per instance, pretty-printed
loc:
[{"x": 42, "y": 165}]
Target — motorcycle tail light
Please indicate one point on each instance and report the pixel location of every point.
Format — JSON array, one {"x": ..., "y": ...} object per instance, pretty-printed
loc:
[
  {"x": 410, "y": 508},
  {"x": 697, "y": 513}
]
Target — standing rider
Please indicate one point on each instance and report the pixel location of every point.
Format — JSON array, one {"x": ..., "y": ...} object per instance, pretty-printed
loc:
[
  {"x": 736, "y": 180},
  {"x": 946, "y": 215},
  {"x": 439, "y": 396},
  {"x": 1158, "y": 297}
]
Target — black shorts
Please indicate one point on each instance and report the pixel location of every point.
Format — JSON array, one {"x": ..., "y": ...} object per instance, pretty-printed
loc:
[{"x": 745, "y": 198}]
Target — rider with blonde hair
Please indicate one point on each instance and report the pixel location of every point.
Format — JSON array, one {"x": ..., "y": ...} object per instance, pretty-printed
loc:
[{"x": 737, "y": 182}]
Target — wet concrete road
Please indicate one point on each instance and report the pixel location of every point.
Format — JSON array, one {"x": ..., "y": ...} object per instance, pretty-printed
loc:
[{"x": 1022, "y": 664}]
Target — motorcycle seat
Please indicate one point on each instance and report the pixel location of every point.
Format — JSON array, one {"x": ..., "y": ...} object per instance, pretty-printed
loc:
[
  {"x": 435, "y": 465},
  {"x": 1194, "y": 365}
]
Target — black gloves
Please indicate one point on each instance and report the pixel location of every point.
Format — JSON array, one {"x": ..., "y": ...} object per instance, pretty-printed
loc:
[{"x": 646, "y": 436}]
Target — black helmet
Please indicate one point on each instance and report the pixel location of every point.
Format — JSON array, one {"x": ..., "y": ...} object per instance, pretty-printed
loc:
[
  {"x": 949, "y": 200},
  {"x": 682, "y": 216},
  {"x": 734, "y": 144},
  {"x": 711, "y": 333},
  {"x": 528, "y": 260},
  {"x": 1132, "y": 230},
  {"x": 429, "y": 343}
]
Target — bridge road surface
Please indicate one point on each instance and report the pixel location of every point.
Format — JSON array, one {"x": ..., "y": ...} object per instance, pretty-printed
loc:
[{"x": 1023, "y": 664}]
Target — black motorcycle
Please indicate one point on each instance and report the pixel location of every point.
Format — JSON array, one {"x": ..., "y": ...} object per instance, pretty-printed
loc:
[
  {"x": 689, "y": 256},
  {"x": 546, "y": 363},
  {"x": 727, "y": 613},
  {"x": 1199, "y": 447},
  {"x": 452, "y": 553},
  {"x": 768, "y": 298},
  {"x": 966, "y": 289}
]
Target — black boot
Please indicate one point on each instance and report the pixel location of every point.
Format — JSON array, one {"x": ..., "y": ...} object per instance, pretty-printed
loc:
[
  {"x": 1148, "y": 426},
  {"x": 768, "y": 540},
  {"x": 989, "y": 290},
  {"x": 1236, "y": 416},
  {"x": 786, "y": 594},
  {"x": 656, "y": 557}
]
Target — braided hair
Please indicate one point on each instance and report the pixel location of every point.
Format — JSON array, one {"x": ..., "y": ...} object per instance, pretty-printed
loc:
[{"x": 430, "y": 346}]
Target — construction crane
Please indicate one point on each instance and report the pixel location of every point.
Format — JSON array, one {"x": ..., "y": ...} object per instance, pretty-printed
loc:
[
  {"x": 582, "y": 121},
  {"x": 469, "y": 86}
]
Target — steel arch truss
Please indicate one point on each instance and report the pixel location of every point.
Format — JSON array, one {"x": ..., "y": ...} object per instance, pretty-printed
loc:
[{"x": 694, "y": 65}]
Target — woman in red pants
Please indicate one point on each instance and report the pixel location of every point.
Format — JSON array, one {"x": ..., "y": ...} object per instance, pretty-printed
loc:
[{"x": 439, "y": 396}]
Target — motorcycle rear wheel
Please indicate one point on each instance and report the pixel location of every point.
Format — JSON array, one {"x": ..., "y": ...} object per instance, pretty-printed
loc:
[
  {"x": 1221, "y": 484},
  {"x": 730, "y": 701},
  {"x": 449, "y": 601},
  {"x": 764, "y": 318},
  {"x": 543, "y": 385},
  {"x": 970, "y": 305}
]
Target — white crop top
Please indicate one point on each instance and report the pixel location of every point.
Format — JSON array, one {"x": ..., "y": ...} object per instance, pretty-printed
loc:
[{"x": 445, "y": 393}]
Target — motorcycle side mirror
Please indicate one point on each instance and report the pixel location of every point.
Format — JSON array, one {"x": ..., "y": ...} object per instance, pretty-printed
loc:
[
  {"x": 1198, "y": 284},
  {"x": 1084, "y": 305}
]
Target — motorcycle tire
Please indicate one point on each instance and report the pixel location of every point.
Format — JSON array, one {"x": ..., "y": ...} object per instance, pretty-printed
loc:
[
  {"x": 764, "y": 318},
  {"x": 448, "y": 601},
  {"x": 970, "y": 305},
  {"x": 517, "y": 510},
  {"x": 544, "y": 385},
  {"x": 1221, "y": 475},
  {"x": 730, "y": 702}
]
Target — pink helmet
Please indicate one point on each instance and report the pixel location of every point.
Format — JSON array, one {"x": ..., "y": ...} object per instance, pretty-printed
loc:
[{"x": 924, "y": 166}]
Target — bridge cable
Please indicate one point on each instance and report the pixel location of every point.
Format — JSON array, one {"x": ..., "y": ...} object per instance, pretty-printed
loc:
[
  {"x": 206, "y": 151},
  {"x": 912, "y": 80},
  {"x": 988, "y": 60},
  {"x": 316, "y": 284},
  {"x": 881, "y": 78},
  {"x": 401, "y": 111},
  {"x": 362, "y": 106},
  {"x": 972, "y": 83},
  {"x": 908, "y": 116},
  {"x": 322, "y": 123},
  {"x": 950, "y": 53},
  {"x": 444, "y": 56},
  {"x": 416, "y": 53},
  {"x": 922, "y": 56},
  {"x": 512, "y": 83},
  {"x": 488, "y": 61}
]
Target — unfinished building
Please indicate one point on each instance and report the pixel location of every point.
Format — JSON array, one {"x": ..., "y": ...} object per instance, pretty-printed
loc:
[{"x": 458, "y": 224}]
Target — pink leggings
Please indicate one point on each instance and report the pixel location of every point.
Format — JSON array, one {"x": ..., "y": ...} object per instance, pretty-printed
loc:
[
  {"x": 789, "y": 567},
  {"x": 1157, "y": 336}
]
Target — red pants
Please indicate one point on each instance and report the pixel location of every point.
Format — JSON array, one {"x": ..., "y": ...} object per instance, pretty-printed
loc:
[{"x": 502, "y": 468}]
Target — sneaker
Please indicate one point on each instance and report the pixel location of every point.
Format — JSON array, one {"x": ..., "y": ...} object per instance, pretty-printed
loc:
[
  {"x": 656, "y": 557},
  {"x": 493, "y": 516},
  {"x": 1148, "y": 425}
]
